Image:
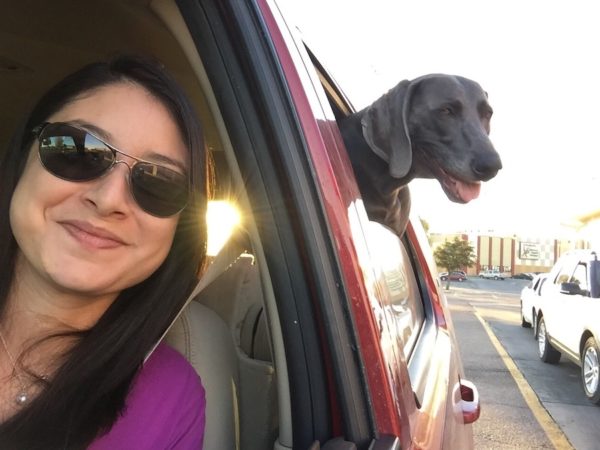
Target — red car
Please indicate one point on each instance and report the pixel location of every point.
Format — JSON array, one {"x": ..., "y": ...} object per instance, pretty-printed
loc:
[
  {"x": 315, "y": 326},
  {"x": 454, "y": 276}
]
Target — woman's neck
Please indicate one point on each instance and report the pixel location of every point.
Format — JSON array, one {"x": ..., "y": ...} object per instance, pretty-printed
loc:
[
  {"x": 37, "y": 325},
  {"x": 38, "y": 307}
]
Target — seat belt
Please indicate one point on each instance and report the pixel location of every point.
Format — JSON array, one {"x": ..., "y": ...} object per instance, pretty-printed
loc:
[{"x": 227, "y": 256}]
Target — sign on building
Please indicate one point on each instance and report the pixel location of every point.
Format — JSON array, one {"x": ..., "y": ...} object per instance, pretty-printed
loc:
[{"x": 529, "y": 250}]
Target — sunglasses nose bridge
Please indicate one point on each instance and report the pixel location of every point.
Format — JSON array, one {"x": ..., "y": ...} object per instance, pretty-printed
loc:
[
  {"x": 121, "y": 161},
  {"x": 126, "y": 176}
]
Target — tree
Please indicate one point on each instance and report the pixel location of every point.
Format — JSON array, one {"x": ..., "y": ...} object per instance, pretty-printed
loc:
[{"x": 454, "y": 255}]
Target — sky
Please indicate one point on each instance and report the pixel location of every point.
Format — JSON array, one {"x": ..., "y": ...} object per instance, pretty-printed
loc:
[{"x": 538, "y": 61}]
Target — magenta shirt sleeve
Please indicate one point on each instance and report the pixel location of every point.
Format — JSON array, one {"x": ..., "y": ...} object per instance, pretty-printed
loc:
[{"x": 164, "y": 410}]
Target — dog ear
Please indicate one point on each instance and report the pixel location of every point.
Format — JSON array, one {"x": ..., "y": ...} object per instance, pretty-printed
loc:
[{"x": 385, "y": 129}]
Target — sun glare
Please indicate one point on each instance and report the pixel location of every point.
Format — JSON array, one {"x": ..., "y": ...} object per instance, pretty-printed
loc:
[{"x": 222, "y": 218}]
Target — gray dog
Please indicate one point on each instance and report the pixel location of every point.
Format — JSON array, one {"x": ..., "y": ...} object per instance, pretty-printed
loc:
[{"x": 435, "y": 126}]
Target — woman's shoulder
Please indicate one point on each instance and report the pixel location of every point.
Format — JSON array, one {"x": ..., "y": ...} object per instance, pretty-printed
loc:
[
  {"x": 166, "y": 405},
  {"x": 166, "y": 378},
  {"x": 167, "y": 365}
]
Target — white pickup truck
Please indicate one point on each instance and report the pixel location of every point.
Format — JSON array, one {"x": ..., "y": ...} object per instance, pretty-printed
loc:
[
  {"x": 494, "y": 274},
  {"x": 568, "y": 317}
]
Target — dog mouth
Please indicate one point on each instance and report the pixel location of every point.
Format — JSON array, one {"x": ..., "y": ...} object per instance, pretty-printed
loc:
[{"x": 458, "y": 191}]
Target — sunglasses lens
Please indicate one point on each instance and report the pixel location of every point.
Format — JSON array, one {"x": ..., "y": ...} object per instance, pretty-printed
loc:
[
  {"x": 72, "y": 154},
  {"x": 158, "y": 190}
]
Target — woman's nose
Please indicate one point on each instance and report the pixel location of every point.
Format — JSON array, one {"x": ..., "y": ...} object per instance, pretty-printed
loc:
[{"x": 110, "y": 194}]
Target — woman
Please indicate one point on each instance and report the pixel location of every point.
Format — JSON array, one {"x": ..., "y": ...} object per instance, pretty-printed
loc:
[{"x": 103, "y": 192}]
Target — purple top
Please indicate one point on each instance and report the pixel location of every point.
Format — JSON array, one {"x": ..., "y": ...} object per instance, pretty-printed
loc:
[{"x": 164, "y": 410}]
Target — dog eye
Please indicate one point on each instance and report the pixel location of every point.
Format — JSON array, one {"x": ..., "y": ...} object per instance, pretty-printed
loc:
[
  {"x": 451, "y": 109},
  {"x": 485, "y": 111}
]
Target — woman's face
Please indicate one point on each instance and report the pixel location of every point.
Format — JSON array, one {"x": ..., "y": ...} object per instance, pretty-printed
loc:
[{"x": 91, "y": 238}]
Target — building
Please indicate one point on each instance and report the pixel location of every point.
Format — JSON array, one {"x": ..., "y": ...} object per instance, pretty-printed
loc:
[{"x": 515, "y": 254}]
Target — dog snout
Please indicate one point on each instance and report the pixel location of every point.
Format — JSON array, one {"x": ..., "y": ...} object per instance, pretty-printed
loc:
[{"x": 486, "y": 167}]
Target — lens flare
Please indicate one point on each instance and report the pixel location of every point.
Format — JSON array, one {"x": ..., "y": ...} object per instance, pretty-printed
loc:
[{"x": 222, "y": 217}]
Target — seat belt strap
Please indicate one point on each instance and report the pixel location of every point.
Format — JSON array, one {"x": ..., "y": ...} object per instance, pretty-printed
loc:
[{"x": 227, "y": 256}]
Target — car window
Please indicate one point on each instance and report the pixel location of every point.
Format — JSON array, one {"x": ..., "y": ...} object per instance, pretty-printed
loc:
[
  {"x": 564, "y": 275},
  {"x": 580, "y": 276},
  {"x": 541, "y": 285},
  {"x": 401, "y": 298}
]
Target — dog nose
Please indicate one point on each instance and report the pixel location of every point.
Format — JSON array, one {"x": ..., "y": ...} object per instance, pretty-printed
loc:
[{"x": 486, "y": 167}]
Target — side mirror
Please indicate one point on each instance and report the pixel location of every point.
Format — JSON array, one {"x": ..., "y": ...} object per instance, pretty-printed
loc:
[{"x": 570, "y": 289}]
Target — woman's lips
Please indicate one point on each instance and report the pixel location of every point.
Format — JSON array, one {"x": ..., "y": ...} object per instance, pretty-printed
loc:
[{"x": 91, "y": 236}]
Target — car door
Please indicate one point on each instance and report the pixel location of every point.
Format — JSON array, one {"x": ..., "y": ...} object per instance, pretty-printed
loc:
[
  {"x": 575, "y": 307},
  {"x": 300, "y": 218},
  {"x": 422, "y": 402},
  {"x": 560, "y": 310},
  {"x": 552, "y": 298},
  {"x": 349, "y": 346}
]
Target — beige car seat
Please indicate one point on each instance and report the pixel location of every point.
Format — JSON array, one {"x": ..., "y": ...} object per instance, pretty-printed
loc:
[
  {"x": 205, "y": 340},
  {"x": 224, "y": 335}
]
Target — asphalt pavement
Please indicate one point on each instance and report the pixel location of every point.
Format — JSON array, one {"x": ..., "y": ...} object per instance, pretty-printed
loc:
[
  {"x": 506, "y": 421},
  {"x": 526, "y": 404},
  {"x": 507, "y": 286}
]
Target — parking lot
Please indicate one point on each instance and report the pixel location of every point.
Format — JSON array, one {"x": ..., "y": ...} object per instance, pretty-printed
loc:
[
  {"x": 507, "y": 286},
  {"x": 525, "y": 403}
]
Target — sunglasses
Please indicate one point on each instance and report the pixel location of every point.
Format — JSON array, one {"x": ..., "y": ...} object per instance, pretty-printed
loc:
[{"x": 75, "y": 154}]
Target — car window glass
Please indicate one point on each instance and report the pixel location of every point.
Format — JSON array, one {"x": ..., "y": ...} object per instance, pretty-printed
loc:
[
  {"x": 401, "y": 299},
  {"x": 541, "y": 285},
  {"x": 564, "y": 275},
  {"x": 580, "y": 276}
]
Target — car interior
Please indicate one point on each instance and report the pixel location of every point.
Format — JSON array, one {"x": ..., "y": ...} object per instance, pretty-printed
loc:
[
  {"x": 230, "y": 332},
  {"x": 255, "y": 305}
]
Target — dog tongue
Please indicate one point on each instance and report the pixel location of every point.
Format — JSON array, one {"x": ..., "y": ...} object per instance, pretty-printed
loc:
[{"x": 467, "y": 191}]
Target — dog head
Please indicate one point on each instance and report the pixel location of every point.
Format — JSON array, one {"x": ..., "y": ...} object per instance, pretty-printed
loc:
[{"x": 435, "y": 126}]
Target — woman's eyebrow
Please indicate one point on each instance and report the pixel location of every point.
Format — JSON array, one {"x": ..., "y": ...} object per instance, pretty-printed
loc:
[
  {"x": 158, "y": 157},
  {"x": 106, "y": 136},
  {"x": 101, "y": 133}
]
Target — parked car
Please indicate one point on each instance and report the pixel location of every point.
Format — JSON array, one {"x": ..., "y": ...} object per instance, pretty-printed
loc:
[
  {"x": 523, "y": 276},
  {"x": 321, "y": 325},
  {"x": 568, "y": 317},
  {"x": 454, "y": 276},
  {"x": 530, "y": 301},
  {"x": 493, "y": 274}
]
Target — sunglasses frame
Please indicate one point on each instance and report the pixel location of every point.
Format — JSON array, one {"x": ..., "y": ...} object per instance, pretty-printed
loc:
[{"x": 38, "y": 130}]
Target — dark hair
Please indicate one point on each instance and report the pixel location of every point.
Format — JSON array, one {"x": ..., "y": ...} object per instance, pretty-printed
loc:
[{"x": 88, "y": 391}]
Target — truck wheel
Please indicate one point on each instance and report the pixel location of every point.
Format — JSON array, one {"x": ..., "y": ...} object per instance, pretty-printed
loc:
[
  {"x": 547, "y": 353},
  {"x": 590, "y": 370}
]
